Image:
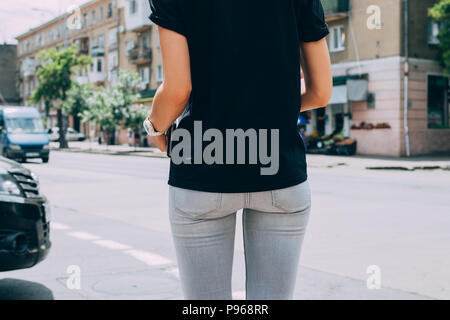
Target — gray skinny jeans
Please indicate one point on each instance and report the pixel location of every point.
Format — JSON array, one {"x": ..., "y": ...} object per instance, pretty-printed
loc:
[{"x": 203, "y": 229}]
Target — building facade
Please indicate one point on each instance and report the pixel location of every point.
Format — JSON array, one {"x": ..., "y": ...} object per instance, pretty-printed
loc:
[
  {"x": 117, "y": 34},
  {"x": 8, "y": 87},
  {"x": 367, "y": 47}
]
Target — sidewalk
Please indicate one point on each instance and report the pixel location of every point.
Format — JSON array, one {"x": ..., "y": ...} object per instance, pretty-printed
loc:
[
  {"x": 314, "y": 160},
  {"x": 95, "y": 148}
]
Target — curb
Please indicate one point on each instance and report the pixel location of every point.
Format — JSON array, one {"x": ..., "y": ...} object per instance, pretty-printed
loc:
[
  {"x": 161, "y": 155},
  {"x": 420, "y": 168},
  {"x": 147, "y": 154}
]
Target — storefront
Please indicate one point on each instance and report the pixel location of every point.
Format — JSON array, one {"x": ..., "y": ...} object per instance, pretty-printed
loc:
[{"x": 337, "y": 116}]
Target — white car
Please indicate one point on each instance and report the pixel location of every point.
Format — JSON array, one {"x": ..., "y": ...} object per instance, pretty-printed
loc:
[{"x": 71, "y": 134}]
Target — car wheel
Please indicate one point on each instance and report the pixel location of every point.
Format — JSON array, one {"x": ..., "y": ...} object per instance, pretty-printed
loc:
[{"x": 45, "y": 159}]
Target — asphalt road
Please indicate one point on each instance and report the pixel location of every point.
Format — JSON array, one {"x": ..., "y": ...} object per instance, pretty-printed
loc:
[{"x": 111, "y": 236}]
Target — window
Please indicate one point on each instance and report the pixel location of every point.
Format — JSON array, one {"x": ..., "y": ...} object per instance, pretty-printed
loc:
[
  {"x": 433, "y": 32},
  {"x": 101, "y": 14},
  {"x": 337, "y": 39},
  {"x": 146, "y": 42},
  {"x": 93, "y": 18},
  {"x": 144, "y": 75},
  {"x": 99, "y": 65},
  {"x": 85, "y": 21},
  {"x": 110, "y": 13},
  {"x": 101, "y": 41},
  {"x": 438, "y": 106},
  {"x": 159, "y": 74},
  {"x": 112, "y": 37},
  {"x": 129, "y": 45},
  {"x": 113, "y": 61},
  {"x": 133, "y": 6}
]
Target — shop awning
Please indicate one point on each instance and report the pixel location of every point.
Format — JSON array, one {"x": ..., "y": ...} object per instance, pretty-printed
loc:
[{"x": 339, "y": 95}]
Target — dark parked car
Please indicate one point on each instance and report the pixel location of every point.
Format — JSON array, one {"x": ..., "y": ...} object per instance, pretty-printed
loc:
[{"x": 24, "y": 218}]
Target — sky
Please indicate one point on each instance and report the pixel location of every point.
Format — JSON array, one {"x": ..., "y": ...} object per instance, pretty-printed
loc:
[{"x": 18, "y": 16}]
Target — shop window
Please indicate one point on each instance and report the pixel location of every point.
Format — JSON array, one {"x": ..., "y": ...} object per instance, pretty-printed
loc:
[{"x": 438, "y": 106}]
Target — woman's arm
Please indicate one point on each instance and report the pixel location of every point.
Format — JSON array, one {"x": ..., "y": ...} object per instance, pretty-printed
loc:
[
  {"x": 316, "y": 67},
  {"x": 173, "y": 95}
]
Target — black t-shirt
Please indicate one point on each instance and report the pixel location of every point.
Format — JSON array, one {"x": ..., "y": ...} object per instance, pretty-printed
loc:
[{"x": 245, "y": 69}]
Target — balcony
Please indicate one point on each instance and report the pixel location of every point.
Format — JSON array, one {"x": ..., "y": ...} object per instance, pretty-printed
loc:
[
  {"x": 81, "y": 79},
  {"x": 137, "y": 20},
  {"x": 92, "y": 77},
  {"x": 112, "y": 46},
  {"x": 82, "y": 45},
  {"x": 98, "y": 51},
  {"x": 140, "y": 55},
  {"x": 97, "y": 77},
  {"x": 28, "y": 68},
  {"x": 336, "y": 9}
]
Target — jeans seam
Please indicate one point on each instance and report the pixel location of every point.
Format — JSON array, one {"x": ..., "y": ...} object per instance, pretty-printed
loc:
[{"x": 245, "y": 254}]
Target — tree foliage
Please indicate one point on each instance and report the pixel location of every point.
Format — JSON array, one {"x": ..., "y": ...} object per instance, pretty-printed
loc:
[
  {"x": 440, "y": 13},
  {"x": 112, "y": 107},
  {"x": 77, "y": 100},
  {"x": 55, "y": 79}
]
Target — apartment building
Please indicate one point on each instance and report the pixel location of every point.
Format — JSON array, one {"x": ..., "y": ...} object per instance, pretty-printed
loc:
[
  {"x": 8, "y": 62},
  {"x": 368, "y": 42},
  {"x": 117, "y": 34}
]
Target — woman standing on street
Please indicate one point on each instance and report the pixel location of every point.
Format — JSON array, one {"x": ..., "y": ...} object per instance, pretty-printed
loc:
[{"x": 233, "y": 68}]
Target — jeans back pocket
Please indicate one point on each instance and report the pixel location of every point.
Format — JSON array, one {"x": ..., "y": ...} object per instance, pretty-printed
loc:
[
  {"x": 196, "y": 203},
  {"x": 294, "y": 199}
]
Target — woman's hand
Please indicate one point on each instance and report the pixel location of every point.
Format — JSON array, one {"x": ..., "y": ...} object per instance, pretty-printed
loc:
[{"x": 161, "y": 142}]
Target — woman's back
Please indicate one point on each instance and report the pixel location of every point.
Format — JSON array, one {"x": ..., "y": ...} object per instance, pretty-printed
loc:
[{"x": 245, "y": 70}]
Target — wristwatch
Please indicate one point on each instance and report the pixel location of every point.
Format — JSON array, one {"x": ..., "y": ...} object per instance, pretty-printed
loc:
[{"x": 148, "y": 125}]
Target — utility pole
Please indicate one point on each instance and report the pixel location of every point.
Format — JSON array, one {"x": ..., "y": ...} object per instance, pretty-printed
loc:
[{"x": 406, "y": 77}]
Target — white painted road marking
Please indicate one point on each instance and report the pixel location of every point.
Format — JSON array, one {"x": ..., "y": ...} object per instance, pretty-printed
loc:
[
  {"x": 148, "y": 258},
  {"x": 113, "y": 245},
  {"x": 173, "y": 271},
  {"x": 58, "y": 226},
  {"x": 83, "y": 236},
  {"x": 239, "y": 295}
]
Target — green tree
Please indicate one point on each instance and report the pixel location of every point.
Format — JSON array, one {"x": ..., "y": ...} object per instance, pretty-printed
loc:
[
  {"x": 112, "y": 107},
  {"x": 136, "y": 116},
  {"x": 101, "y": 110},
  {"x": 440, "y": 13},
  {"x": 55, "y": 75},
  {"x": 77, "y": 101}
]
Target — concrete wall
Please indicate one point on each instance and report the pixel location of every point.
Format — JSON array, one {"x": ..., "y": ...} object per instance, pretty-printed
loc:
[
  {"x": 370, "y": 43},
  {"x": 422, "y": 139},
  {"x": 418, "y": 30},
  {"x": 8, "y": 75},
  {"x": 384, "y": 81}
]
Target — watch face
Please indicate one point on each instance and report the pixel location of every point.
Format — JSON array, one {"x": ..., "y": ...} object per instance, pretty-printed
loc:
[{"x": 149, "y": 127}]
